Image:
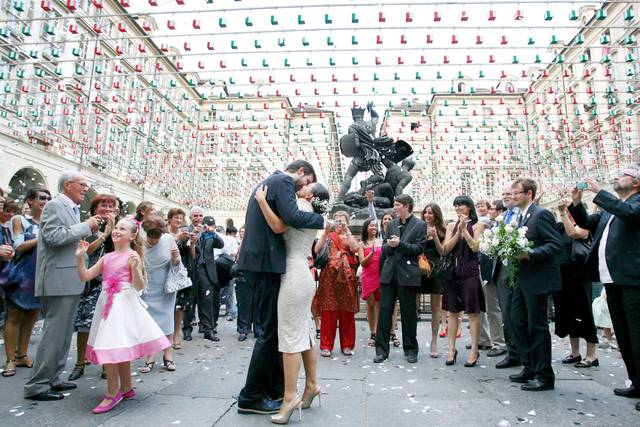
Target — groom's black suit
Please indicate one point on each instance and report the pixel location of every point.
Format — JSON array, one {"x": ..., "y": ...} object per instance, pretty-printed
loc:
[{"x": 262, "y": 258}]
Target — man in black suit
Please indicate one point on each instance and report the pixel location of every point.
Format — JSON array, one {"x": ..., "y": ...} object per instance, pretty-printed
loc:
[
  {"x": 614, "y": 259},
  {"x": 197, "y": 215},
  {"x": 538, "y": 277},
  {"x": 262, "y": 259},
  {"x": 400, "y": 278},
  {"x": 208, "y": 284}
]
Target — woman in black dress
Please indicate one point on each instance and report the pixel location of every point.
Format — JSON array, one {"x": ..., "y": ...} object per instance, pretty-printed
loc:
[
  {"x": 436, "y": 232},
  {"x": 464, "y": 293},
  {"x": 574, "y": 314}
]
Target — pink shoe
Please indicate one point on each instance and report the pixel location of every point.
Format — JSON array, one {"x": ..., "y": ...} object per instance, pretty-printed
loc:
[
  {"x": 131, "y": 394},
  {"x": 113, "y": 402}
]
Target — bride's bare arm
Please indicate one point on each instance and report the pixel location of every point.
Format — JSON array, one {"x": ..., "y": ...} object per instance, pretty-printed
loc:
[{"x": 275, "y": 222}]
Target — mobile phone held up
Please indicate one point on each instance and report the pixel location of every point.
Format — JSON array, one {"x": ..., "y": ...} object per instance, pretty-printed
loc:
[{"x": 581, "y": 186}]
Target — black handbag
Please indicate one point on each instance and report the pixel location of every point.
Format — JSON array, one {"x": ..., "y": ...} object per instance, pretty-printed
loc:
[
  {"x": 322, "y": 258},
  {"x": 444, "y": 267},
  {"x": 580, "y": 251}
]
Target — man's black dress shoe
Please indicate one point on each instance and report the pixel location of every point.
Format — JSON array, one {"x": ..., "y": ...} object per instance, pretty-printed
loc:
[
  {"x": 524, "y": 376},
  {"x": 537, "y": 385},
  {"x": 632, "y": 391},
  {"x": 64, "y": 387},
  {"x": 265, "y": 406},
  {"x": 412, "y": 358},
  {"x": 379, "y": 358},
  {"x": 507, "y": 363},
  {"x": 186, "y": 335},
  {"x": 211, "y": 336},
  {"x": 47, "y": 395},
  {"x": 242, "y": 337}
]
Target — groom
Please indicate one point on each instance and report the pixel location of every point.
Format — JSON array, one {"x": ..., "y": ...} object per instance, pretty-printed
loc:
[{"x": 262, "y": 260}]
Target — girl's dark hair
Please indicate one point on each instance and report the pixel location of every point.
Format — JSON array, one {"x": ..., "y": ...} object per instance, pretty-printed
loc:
[
  {"x": 439, "y": 218},
  {"x": 364, "y": 236},
  {"x": 466, "y": 201},
  {"x": 33, "y": 193},
  {"x": 499, "y": 205},
  {"x": 320, "y": 200},
  {"x": 100, "y": 198}
]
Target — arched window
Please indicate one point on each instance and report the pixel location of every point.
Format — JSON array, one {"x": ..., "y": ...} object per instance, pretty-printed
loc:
[{"x": 462, "y": 87}]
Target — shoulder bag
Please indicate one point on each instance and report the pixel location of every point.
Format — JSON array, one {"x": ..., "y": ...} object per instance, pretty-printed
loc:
[
  {"x": 426, "y": 266},
  {"x": 177, "y": 279}
]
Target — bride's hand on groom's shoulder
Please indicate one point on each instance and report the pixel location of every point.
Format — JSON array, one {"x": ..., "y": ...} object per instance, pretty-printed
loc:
[{"x": 261, "y": 193}]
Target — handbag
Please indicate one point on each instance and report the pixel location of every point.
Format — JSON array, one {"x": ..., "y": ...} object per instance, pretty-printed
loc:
[
  {"x": 580, "y": 251},
  {"x": 425, "y": 266},
  {"x": 444, "y": 268},
  {"x": 322, "y": 258},
  {"x": 177, "y": 279}
]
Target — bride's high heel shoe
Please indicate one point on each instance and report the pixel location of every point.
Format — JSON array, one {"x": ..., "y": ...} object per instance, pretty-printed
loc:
[
  {"x": 283, "y": 417},
  {"x": 308, "y": 399}
]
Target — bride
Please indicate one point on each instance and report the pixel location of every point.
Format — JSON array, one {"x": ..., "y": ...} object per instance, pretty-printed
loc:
[{"x": 296, "y": 330}]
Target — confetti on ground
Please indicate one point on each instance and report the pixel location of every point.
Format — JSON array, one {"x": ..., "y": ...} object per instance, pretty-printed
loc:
[
  {"x": 506, "y": 402},
  {"x": 175, "y": 422},
  {"x": 504, "y": 423},
  {"x": 19, "y": 414},
  {"x": 532, "y": 412}
]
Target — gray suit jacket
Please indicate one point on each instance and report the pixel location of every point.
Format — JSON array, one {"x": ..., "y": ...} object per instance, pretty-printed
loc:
[{"x": 58, "y": 237}]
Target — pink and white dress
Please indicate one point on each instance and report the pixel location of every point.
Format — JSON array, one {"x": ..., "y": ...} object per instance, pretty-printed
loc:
[{"x": 122, "y": 330}]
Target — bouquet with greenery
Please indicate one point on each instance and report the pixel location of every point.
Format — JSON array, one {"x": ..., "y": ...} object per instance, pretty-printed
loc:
[{"x": 506, "y": 241}]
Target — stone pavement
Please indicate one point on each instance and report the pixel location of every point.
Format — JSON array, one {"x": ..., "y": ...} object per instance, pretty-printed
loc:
[{"x": 355, "y": 392}]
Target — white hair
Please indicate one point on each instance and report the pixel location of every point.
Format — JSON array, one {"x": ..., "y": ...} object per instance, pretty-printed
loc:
[
  {"x": 66, "y": 177},
  {"x": 635, "y": 168},
  {"x": 196, "y": 209}
]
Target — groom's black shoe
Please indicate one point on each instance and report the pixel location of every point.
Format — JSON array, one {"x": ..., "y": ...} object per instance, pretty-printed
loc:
[
  {"x": 186, "y": 335},
  {"x": 211, "y": 336},
  {"x": 379, "y": 358},
  {"x": 265, "y": 406}
]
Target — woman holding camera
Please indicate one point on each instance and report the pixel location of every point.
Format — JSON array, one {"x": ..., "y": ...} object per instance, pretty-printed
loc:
[{"x": 336, "y": 299}]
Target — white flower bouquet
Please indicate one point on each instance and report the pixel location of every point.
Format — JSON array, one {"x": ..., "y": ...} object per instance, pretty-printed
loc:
[{"x": 506, "y": 241}]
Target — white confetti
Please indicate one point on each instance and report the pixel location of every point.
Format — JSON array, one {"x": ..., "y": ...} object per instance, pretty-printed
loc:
[
  {"x": 66, "y": 394},
  {"x": 463, "y": 391},
  {"x": 579, "y": 400},
  {"x": 506, "y": 402},
  {"x": 406, "y": 411},
  {"x": 176, "y": 422},
  {"x": 338, "y": 416},
  {"x": 590, "y": 415},
  {"x": 504, "y": 423},
  {"x": 19, "y": 414},
  {"x": 532, "y": 412},
  {"x": 13, "y": 410}
]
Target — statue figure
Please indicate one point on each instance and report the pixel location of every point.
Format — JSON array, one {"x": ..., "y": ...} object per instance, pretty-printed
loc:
[{"x": 369, "y": 153}]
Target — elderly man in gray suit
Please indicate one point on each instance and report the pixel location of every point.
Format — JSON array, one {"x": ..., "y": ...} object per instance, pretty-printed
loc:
[{"x": 58, "y": 284}]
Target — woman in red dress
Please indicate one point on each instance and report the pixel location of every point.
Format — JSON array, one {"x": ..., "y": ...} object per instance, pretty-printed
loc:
[{"x": 336, "y": 299}]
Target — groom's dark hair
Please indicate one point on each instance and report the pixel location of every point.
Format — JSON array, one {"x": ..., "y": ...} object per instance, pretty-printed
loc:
[{"x": 306, "y": 167}]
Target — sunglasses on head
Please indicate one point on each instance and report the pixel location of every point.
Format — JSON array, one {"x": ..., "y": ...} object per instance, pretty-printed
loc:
[{"x": 43, "y": 198}]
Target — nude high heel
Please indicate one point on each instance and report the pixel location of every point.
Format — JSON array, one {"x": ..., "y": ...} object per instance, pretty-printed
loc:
[
  {"x": 283, "y": 417},
  {"x": 308, "y": 400}
]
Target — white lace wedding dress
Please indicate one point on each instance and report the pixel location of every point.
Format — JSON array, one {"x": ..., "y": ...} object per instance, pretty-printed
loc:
[{"x": 296, "y": 330}]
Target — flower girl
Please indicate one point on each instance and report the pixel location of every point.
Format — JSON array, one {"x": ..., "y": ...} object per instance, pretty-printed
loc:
[{"x": 122, "y": 330}]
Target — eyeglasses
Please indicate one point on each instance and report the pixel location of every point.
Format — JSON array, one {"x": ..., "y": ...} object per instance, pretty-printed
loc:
[
  {"x": 81, "y": 184},
  {"x": 507, "y": 194},
  {"x": 43, "y": 198}
]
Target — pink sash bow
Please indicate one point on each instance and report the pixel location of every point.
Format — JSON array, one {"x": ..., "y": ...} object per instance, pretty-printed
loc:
[{"x": 114, "y": 286}]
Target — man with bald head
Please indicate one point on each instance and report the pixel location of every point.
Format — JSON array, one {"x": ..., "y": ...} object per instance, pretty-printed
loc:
[{"x": 58, "y": 284}]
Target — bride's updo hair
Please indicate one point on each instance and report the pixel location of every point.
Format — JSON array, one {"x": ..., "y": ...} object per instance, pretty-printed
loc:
[{"x": 320, "y": 200}]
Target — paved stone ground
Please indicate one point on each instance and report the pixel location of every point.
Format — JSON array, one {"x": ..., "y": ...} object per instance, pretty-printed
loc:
[{"x": 355, "y": 392}]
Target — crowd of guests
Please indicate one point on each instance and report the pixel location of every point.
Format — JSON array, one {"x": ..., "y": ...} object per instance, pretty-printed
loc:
[{"x": 105, "y": 278}]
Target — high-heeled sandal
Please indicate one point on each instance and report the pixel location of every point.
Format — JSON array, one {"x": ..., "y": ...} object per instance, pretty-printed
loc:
[
  {"x": 148, "y": 367},
  {"x": 26, "y": 362},
  {"x": 395, "y": 340},
  {"x": 169, "y": 365},
  {"x": 443, "y": 332},
  {"x": 9, "y": 372},
  {"x": 77, "y": 372},
  {"x": 372, "y": 340},
  {"x": 283, "y": 417},
  {"x": 450, "y": 362},
  {"x": 468, "y": 364},
  {"x": 308, "y": 399}
]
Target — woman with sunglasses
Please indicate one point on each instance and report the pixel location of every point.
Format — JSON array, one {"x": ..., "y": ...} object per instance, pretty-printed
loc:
[{"x": 22, "y": 306}]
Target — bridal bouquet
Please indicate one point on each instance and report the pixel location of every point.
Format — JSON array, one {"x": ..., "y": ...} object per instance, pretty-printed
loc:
[{"x": 506, "y": 241}]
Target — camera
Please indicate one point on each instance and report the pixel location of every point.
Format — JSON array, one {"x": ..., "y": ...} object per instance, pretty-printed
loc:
[{"x": 581, "y": 186}]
